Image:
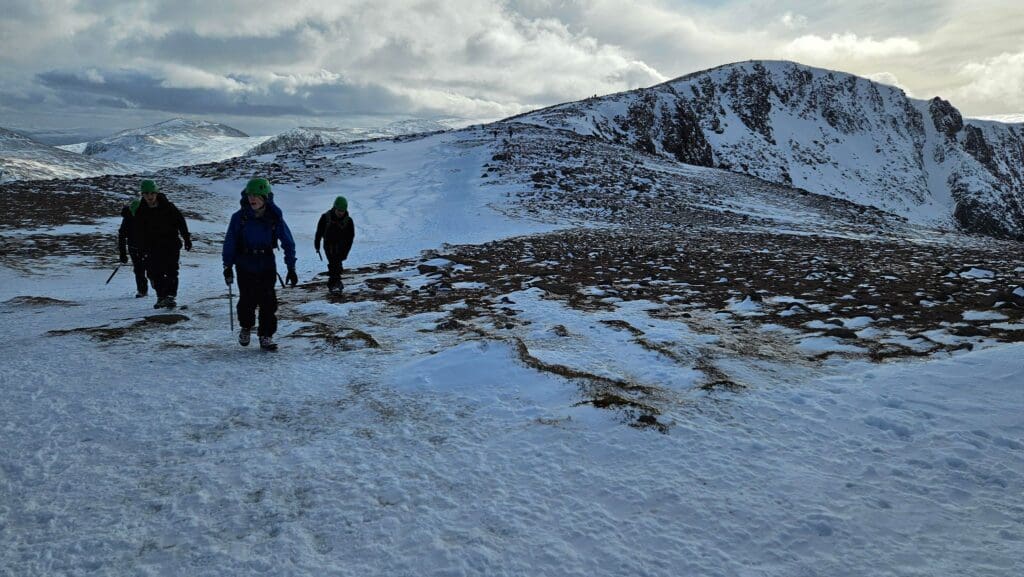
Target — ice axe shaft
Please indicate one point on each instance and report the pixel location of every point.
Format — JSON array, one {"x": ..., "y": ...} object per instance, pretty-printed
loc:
[
  {"x": 116, "y": 268},
  {"x": 231, "y": 308},
  {"x": 280, "y": 279}
]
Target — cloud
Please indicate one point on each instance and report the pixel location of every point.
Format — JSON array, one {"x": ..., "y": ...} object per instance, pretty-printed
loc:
[
  {"x": 994, "y": 82},
  {"x": 277, "y": 97},
  {"x": 17, "y": 99},
  {"x": 793, "y": 21},
  {"x": 176, "y": 76},
  {"x": 470, "y": 58},
  {"x": 813, "y": 48},
  {"x": 288, "y": 48},
  {"x": 889, "y": 79}
]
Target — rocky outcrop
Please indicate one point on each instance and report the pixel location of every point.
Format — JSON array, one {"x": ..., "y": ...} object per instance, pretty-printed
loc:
[
  {"x": 946, "y": 119},
  {"x": 683, "y": 138},
  {"x": 976, "y": 146}
]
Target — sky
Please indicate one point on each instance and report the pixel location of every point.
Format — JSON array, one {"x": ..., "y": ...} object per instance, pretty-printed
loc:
[{"x": 264, "y": 66}]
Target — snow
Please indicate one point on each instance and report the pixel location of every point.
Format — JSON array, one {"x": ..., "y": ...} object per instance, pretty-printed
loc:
[
  {"x": 983, "y": 316},
  {"x": 175, "y": 451},
  {"x": 172, "y": 143},
  {"x": 747, "y": 306},
  {"x": 22, "y": 158},
  {"x": 828, "y": 345},
  {"x": 977, "y": 273}
]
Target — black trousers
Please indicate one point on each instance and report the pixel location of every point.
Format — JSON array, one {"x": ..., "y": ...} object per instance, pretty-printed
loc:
[
  {"x": 139, "y": 268},
  {"x": 162, "y": 269},
  {"x": 334, "y": 269},
  {"x": 256, "y": 290}
]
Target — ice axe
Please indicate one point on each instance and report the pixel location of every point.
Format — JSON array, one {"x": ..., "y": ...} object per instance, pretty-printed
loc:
[
  {"x": 231, "y": 308},
  {"x": 280, "y": 279},
  {"x": 116, "y": 268}
]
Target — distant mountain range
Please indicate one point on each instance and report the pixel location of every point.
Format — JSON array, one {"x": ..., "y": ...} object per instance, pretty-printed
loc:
[
  {"x": 306, "y": 136},
  {"x": 175, "y": 142},
  {"x": 826, "y": 132},
  {"x": 22, "y": 158}
]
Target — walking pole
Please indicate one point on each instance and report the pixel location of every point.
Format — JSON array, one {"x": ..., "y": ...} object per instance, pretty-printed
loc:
[
  {"x": 280, "y": 279},
  {"x": 116, "y": 268},
  {"x": 231, "y": 307}
]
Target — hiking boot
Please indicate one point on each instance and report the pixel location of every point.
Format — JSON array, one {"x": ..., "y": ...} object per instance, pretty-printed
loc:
[
  {"x": 268, "y": 344},
  {"x": 243, "y": 336},
  {"x": 170, "y": 303},
  {"x": 160, "y": 303},
  {"x": 141, "y": 294}
]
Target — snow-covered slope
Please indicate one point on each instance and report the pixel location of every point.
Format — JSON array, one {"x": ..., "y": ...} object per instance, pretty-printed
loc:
[
  {"x": 555, "y": 355},
  {"x": 307, "y": 136},
  {"x": 176, "y": 142},
  {"x": 827, "y": 132},
  {"x": 22, "y": 158}
]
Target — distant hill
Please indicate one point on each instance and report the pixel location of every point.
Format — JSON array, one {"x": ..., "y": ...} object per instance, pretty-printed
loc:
[
  {"x": 823, "y": 131},
  {"x": 22, "y": 158},
  {"x": 176, "y": 142},
  {"x": 306, "y": 136}
]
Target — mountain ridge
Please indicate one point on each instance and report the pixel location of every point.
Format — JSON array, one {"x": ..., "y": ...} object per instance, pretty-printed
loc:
[
  {"x": 23, "y": 158},
  {"x": 825, "y": 131},
  {"x": 173, "y": 142},
  {"x": 307, "y": 136}
]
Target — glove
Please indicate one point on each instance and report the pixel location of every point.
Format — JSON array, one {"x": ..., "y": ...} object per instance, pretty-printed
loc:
[
  {"x": 188, "y": 243},
  {"x": 229, "y": 275},
  {"x": 124, "y": 257},
  {"x": 292, "y": 278}
]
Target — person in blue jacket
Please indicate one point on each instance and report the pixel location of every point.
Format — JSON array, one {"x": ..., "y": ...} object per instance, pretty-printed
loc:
[{"x": 256, "y": 230}]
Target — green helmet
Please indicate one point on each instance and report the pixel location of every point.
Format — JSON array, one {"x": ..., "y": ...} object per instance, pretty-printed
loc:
[
  {"x": 340, "y": 203},
  {"x": 148, "y": 186},
  {"x": 258, "y": 187}
]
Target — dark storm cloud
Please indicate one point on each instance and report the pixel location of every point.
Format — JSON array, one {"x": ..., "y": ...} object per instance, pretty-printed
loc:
[
  {"x": 136, "y": 89},
  {"x": 188, "y": 47},
  {"x": 15, "y": 100},
  {"x": 144, "y": 91}
]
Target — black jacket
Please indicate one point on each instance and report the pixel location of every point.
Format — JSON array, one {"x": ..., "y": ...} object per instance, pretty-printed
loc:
[
  {"x": 337, "y": 233},
  {"x": 158, "y": 228},
  {"x": 126, "y": 232}
]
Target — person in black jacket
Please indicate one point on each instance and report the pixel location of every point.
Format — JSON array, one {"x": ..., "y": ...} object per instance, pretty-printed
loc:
[
  {"x": 158, "y": 223},
  {"x": 127, "y": 245},
  {"x": 337, "y": 231}
]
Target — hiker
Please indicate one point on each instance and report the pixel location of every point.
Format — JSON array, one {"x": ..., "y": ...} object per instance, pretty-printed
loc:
[
  {"x": 337, "y": 231},
  {"x": 158, "y": 224},
  {"x": 255, "y": 231},
  {"x": 127, "y": 245}
]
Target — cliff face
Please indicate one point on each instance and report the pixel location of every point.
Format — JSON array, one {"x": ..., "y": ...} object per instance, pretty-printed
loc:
[{"x": 827, "y": 132}]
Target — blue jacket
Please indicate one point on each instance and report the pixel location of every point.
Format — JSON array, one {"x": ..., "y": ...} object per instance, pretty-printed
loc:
[{"x": 250, "y": 241}]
